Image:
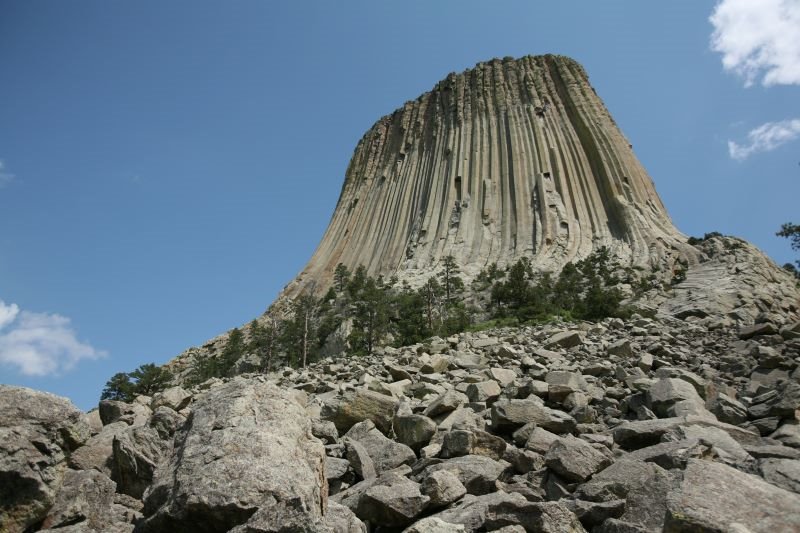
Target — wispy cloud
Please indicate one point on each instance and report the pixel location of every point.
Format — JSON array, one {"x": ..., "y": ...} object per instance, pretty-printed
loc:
[
  {"x": 759, "y": 39},
  {"x": 5, "y": 176},
  {"x": 40, "y": 344},
  {"x": 764, "y": 138}
]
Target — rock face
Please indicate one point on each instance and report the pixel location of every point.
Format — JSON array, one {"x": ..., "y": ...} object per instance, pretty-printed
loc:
[
  {"x": 571, "y": 439},
  {"x": 37, "y": 433},
  {"x": 688, "y": 421},
  {"x": 512, "y": 158},
  {"x": 520, "y": 158},
  {"x": 247, "y": 447}
]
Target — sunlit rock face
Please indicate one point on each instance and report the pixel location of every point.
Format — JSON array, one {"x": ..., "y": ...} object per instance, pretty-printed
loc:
[{"x": 514, "y": 157}]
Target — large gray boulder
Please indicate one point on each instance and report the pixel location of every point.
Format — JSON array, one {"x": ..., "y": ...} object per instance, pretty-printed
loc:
[
  {"x": 508, "y": 415},
  {"x": 385, "y": 453},
  {"x": 664, "y": 394},
  {"x": 85, "y": 498},
  {"x": 37, "y": 433},
  {"x": 643, "y": 486},
  {"x": 246, "y": 451},
  {"x": 394, "y": 501},
  {"x": 714, "y": 497},
  {"x": 136, "y": 453},
  {"x": 359, "y": 405},
  {"x": 476, "y": 472},
  {"x": 574, "y": 459}
]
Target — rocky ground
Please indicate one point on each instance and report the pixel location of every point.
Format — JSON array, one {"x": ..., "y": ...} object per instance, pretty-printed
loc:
[{"x": 621, "y": 426}]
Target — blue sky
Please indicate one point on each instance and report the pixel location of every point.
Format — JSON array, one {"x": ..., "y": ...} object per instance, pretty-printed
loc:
[{"x": 153, "y": 154}]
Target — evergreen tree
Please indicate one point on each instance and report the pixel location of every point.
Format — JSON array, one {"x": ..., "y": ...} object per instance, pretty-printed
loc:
[
  {"x": 149, "y": 379},
  {"x": 410, "y": 322},
  {"x": 451, "y": 283},
  {"x": 370, "y": 316},
  {"x": 234, "y": 349},
  {"x": 205, "y": 367},
  {"x": 264, "y": 339},
  {"x": 119, "y": 387},
  {"x": 341, "y": 277},
  {"x": 431, "y": 294},
  {"x": 791, "y": 232},
  {"x": 300, "y": 331}
]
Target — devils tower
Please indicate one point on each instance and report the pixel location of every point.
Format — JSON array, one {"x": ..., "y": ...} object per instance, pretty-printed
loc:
[
  {"x": 514, "y": 157},
  {"x": 520, "y": 158}
]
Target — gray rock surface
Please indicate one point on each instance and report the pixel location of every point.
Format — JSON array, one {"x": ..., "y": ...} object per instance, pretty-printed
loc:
[
  {"x": 37, "y": 433},
  {"x": 715, "y": 497},
  {"x": 246, "y": 449}
]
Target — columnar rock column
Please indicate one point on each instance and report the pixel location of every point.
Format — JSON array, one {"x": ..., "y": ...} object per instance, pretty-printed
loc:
[{"x": 515, "y": 157}]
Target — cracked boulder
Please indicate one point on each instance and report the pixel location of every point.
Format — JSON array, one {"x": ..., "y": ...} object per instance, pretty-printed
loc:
[{"x": 247, "y": 451}]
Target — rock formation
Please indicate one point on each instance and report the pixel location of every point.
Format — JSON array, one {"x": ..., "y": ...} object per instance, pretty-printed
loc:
[
  {"x": 684, "y": 421},
  {"x": 512, "y": 158},
  {"x": 638, "y": 425}
]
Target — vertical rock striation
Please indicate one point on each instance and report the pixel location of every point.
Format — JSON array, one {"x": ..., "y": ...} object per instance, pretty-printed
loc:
[{"x": 514, "y": 157}]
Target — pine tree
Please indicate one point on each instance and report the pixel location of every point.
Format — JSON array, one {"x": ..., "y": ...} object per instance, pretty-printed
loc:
[
  {"x": 232, "y": 352},
  {"x": 791, "y": 232},
  {"x": 149, "y": 379},
  {"x": 264, "y": 339},
  {"x": 449, "y": 278},
  {"x": 299, "y": 332},
  {"x": 119, "y": 387},
  {"x": 341, "y": 277},
  {"x": 370, "y": 317}
]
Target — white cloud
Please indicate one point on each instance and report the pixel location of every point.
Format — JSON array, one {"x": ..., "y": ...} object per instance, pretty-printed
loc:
[
  {"x": 766, "y": 137},
  {"x": 759, "y": 39},
  {"x": 5, "y": 176},
  {"x": 40, "y": 344}
]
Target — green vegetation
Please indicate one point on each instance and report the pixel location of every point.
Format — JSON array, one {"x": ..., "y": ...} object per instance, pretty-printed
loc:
[
  {"x": 694, "y": 241},
  {"x": 791, "y": 232},
  {"x": 364, "y": 313},
  {"x": 584, "y": 290},
  {"x": 145, "y": 380}
]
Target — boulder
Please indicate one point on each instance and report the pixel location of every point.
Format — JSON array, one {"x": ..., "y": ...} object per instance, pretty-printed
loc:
[
  {"x": 84, "y": 498},
  {"x": 434, "y": 525},
  {"x": 386, "y": 454},
  {"x": 642, "y": 433},
  {"x": 477, "y": 473},
  {"x": 98, "y": 451},
  {"x": 643, "y": 486},
  {"x": 508, "y": 415},
  {"x": 359, "y": 459},
  {"x": 575, "y": 460},
  {"x": 133, "y": 413},
  {"x": 445, "y": 402},
  {"x": 415, "y": 431},
  {"x": 714, "y": 497},
  {"x": 484, "y": 391},
  {"x": 37, "y": 432},
  {"x": 443, "y": 488},
  {"x": 247, "y": 456},
  {"x": 395, "y": 501},
  {"x": 565, "y": 339},
  {"x": 471, "y": 511},
  {"x": 135, "y": 454},
  {"x": 359, "y": 405},
  {"x": 783, "y": 473},
  {"x": 544, "y": 517},
  {"x": 176, "y": 398},
  {"x": 665, "y": 393},
  {"x": 561, "y": 384},
  {"x": 540, "y": 440},
  {"x": 621, "y": 348}
]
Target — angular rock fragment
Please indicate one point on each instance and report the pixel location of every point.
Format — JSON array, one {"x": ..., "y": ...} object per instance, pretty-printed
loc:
[{"x": 715, "y": 497}]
